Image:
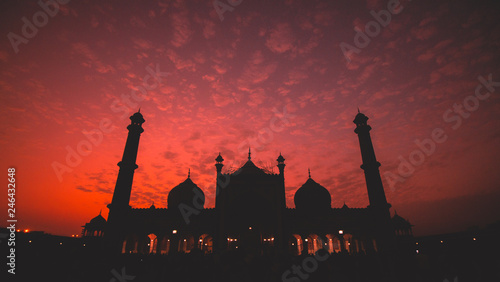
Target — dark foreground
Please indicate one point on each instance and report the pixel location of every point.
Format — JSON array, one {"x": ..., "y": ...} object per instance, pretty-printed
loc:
[{"x": 457, "y": 258}]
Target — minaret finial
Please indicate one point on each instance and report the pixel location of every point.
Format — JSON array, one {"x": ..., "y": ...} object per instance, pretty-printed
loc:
[
  {"x": 309, "y": 171},
  {"x": 249, "y": 154},
  {"x": 139, "y": 110},
  {"x": 189, "y": 173},
  {"x": 358, "y": 110},
  {"x": 100, "y": 212}
]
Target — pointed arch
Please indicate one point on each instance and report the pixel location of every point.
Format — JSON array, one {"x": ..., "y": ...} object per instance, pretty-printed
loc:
[
  {"x": 153, "y": 242},
  {"x": 206, "y": 243},
  {"x": 186, "y": 244}
]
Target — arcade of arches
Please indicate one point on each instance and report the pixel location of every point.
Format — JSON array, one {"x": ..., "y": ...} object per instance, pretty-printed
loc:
[{"x": 305, "y": 244}]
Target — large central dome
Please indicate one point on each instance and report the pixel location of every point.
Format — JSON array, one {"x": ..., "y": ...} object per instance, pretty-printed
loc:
[
  {"x": 185, "y": 193},
  {"x": 312, "y": 197}
]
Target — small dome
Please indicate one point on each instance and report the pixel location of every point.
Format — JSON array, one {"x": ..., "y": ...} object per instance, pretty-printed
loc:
[
  {"x": 360, "y": 119},
  {"x": 280, "y": 159},
  {"x": 137, "y": 118},
  {"x": 312, "y": 197},
  {"x": 219, "y": 159},
  {"x": 98, "y": 220},
  {"x": 185, "y": 193}
]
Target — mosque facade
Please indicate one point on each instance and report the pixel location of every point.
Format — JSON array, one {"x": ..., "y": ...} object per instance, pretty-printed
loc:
[{"x": 250, "y": 212}]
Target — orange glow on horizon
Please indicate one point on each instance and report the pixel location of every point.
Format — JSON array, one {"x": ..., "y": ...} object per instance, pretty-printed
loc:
[{"x": 284, "y": 87}]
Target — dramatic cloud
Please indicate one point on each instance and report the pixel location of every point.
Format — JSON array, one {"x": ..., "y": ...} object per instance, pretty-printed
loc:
[{"x": 270, "y": 76}]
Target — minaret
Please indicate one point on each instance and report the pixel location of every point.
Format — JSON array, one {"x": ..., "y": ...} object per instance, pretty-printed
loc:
[
  {"x": 376, "y": 194},
  {"x": 119, "y": 207},
  {"x": 123, "y": 187},
  {"x": 218, "y": 166},
  {"x": 280, "y": 238},
  {"x": 378, "y": 203},
  {"x": 281, "y": 166},
  {"x": 220, "y": 242}
]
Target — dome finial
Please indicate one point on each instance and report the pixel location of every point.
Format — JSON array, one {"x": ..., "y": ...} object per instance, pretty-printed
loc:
[
  {"x": 309, "y": 171},
  {"x": 100, "y": 212},
  {"x": 219, "y": 159},
  {"x": 189, "y": 172},
  {"x": 249, "y": 154},
  {"x": 139, "y": 111}
]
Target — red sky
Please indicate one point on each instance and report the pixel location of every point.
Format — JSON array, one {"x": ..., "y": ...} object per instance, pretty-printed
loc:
[{"x": 227, "y": 79}]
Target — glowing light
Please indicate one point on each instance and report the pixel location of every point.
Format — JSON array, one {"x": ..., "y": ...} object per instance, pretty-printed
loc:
[
  {"x": 305, "y": 240},
  {"x": 341, "y": 232},
  {"x": 30, "y": 241},
  {"x": 441, "y": 241},
  {"x": 417, "y": 251},
  {"x": 250, "y": 228},
  {"x": 474, "y": 239},
  {"x": 72, "y": 235},
  {"x": 184, "y": 240},
  {"x": 174, "y": 231},
  {"x": 416, "y": 243},
  {"x": 60, "y": 243},
  {"x": 26, "y": 230}
]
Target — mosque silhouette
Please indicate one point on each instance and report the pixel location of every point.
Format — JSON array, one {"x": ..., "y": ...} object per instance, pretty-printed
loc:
[{"x": 250, "y": 213}]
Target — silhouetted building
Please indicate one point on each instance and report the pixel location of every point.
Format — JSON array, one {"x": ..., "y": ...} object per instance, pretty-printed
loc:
[
  {"x": 250, "y": 212},
  {"x": 94, "y": 228}
]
